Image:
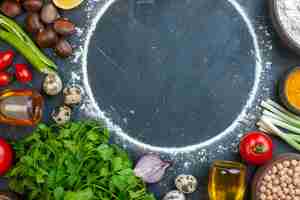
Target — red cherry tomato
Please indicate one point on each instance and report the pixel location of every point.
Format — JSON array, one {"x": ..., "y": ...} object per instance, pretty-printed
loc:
[
  {"x": 23, "y": 74},
  {"x": 6, "y": 59},
  {"x": 6, "y": 156},
  {"x": 5, "y": 78},
  {"x": 256, "y": 148}
]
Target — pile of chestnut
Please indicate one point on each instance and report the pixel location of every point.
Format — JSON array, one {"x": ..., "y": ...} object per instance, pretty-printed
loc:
[{"x": 44, "y": 22}]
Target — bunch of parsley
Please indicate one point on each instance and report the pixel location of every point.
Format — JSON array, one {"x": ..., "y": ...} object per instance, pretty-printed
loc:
[{"x": 74, "y": 162}]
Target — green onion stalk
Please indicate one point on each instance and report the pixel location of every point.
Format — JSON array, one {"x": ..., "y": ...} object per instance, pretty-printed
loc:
[
  {"x": 14, "y": 35},
  {"x": 278, "y": 121}
]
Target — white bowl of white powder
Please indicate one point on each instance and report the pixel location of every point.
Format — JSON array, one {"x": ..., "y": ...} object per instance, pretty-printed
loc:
[{"x": 285, "y": 16}]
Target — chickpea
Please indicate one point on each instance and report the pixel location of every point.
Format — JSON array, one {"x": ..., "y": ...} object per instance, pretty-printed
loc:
[
  {"x": 291, "y": 186},
  {"x": 283, "y": 185},
  {"x": 280, "y": 193},
  {"x": 286, "y": 163},
  {"x": 262, "y": 189},
  {"x": 286, "y": 190},
  {"x": 267, "y": 178},
  {"x": 296, "y": 181},
  {"x": 297, "y": 169},
  {"x": 288, "y": 180},
  {"x": 282, "y": 196},
  {"x": 282, "y": 173},
  {"x": 270, "y": 186},
  {"x": 296, "y": 174},
  {"x": 276, "y": 182},
  {"x": 263, "y": 182},
  {"x": 274, "y": 189},
  {"x": 274, "y": 170},
  {"x": 279, "y": 166},
  {"x": 262, "y": 196}
]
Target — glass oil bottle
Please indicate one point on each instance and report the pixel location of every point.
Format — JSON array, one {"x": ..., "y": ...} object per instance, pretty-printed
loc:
[
  {"x": 20, "y": 107},
  {"x": 227, "y": 181}
]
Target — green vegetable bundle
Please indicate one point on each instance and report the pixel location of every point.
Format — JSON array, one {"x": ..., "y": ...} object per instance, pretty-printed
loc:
[
  {"x": 278, "y": 121},
  {"x": 14, "y": 35},
  {"x": 74, "y": 162}
]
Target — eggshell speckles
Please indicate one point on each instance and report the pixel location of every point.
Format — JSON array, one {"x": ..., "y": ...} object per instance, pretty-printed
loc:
[
  {"x": 186, "y": 183},
  {"x": 72, "y": 95},
  {"x": 62, "y": 114},
  {"x": 52, "y": 84},
  {"x": 174, "y": 195}
]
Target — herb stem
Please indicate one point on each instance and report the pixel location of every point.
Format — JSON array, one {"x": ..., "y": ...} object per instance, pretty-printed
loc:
[{"x": 105, "y": 190}]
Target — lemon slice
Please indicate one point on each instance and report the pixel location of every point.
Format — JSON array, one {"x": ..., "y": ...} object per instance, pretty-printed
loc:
[{"x": 67, "y": 4}]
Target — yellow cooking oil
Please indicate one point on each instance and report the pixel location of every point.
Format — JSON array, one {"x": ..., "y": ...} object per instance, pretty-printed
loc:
[{"x": 227, "y": 180}]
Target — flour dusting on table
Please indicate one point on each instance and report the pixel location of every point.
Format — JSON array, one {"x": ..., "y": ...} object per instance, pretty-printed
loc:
[{"x": 188, "y": 156}]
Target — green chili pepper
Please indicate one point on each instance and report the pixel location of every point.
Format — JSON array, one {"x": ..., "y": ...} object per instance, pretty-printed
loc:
[{"x": 14, "y": 35}]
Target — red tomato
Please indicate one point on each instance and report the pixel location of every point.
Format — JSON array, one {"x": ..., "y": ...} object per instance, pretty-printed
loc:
[
  {"x": 6, "y": 59},
  {"x": 23, "y": 74},
  {"x": 256, "y": 148},
  {"x": 5, "y": 78},
  {"x": 6, "y": 156}
]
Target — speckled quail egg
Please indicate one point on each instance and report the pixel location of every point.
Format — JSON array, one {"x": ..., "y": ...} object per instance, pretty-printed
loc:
[
  {"x": 52, "y": 84},
  {"x": 186, "y": 183},
  {"x": 72, "y": 95},
  {"x": 174, "y": 195},
  {"x": 62, "y": 114}
]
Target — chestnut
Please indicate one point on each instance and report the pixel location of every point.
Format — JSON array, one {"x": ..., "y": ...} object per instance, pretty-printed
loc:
[
  {"x": 9, "y": 196},
  {"x": 46, "y": 38},
  {"x": 49, "y": 13},
  {"x": 64, "y": 26},
  {"x": 33, "y": 23},
  {"x": 10, "y": 8},
  {"x": 63, "y": 48},
  {"x": 32, "y": 5}
]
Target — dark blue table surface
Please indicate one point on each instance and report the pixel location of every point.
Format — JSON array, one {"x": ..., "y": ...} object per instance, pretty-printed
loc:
[{"x": 172, "y": 77}]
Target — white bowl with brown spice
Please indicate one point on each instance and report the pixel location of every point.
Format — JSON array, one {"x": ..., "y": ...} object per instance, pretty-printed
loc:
[{"x": 279, "y": 179}]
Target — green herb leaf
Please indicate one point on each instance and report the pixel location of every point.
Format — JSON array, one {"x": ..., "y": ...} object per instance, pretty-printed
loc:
[
  {"x": 59, "y": 193},
  {"x": 74, "y": 161},
  {"x": 86, "y": 194}
]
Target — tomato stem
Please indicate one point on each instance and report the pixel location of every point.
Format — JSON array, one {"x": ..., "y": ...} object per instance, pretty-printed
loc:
[{"x": 260, "y": 148}]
